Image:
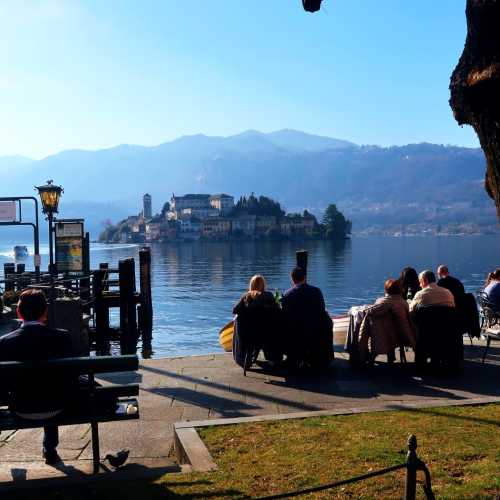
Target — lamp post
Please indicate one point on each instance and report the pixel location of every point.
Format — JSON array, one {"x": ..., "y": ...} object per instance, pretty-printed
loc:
[{"x": 50, "y": 195}]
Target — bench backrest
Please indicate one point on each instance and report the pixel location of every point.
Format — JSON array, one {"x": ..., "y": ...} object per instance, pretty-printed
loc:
[{"x": 11, "y": 371}]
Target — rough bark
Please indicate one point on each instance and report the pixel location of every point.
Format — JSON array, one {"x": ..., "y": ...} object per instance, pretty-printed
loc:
[{"x": 475, "y": 85}]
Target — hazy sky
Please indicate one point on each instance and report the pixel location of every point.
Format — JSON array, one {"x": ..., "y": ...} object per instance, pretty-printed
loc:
[{"x": 96, "y": 73}]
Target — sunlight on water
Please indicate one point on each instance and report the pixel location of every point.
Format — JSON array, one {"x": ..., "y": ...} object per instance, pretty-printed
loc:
[{"x": 196, "y": 285}]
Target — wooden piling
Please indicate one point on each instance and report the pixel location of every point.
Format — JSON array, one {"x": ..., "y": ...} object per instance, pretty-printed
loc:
[
  {"x": 104, "y": 266},
  {"x": 128, "y": 318},
  {"x": 101, "y": 312},
  {"x": 146, "y": 307},
  {"x": 20, "y": 269},
  {"x": 85, "y": 282},
  {"x": 9, "y": 269},
  {"x": 301, "y": 259}
]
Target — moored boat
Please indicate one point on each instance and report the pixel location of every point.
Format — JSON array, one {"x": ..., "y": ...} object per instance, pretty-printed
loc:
[
  {"x": 226, "y": 336},
  {"x": 340, "y": 327}
]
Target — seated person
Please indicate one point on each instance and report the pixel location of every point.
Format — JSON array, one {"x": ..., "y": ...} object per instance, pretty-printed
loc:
[
  {"x": 431, "y": 294},
  {"x": 465, "y": 303},
  {"x": 409, "y": 283},
  {"x": 309, "y": 327},
  {"x": 439, "y": 335},
  {"x": 452, "y": 284},
  {"x": 398, "y": 307},
  {"x": 258, "y": 309},
  {"x": 492, "y": 289},
  {"x": 35, "y": 341}
]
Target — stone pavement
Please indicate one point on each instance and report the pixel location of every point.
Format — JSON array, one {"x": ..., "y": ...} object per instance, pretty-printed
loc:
[{"x": 212, "y": 386}]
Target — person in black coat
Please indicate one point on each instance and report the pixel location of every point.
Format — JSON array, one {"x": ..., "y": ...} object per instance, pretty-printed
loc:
[
  {"x": 452, "y": 284},
  {"x": 34, "y": 341},
  {"x": 468, "y": 315},
  {"x": 309, "y": 327},
  {"x": 258, "y": 323}
]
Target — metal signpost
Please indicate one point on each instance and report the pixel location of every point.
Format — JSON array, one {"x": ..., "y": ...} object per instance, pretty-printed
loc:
[{"x": 11, "y": 215}]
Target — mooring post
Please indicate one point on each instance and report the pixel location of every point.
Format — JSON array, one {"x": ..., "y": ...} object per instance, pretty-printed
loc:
[
  {"x": 101, "y": 312},
  {"x": 20, "y": 268},
  {"x": 128, "y": 318},
  {"x": 411, "y": 469},
  {"x": 146, "y": 311},
  {"x": 104, "y": 266},
  {"x": 301, "y": 259},
  {"x": 9, "y": 269}
]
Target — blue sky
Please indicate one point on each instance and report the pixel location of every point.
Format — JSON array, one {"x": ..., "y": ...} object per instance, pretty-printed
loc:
[{"x": 96, "y": 73}]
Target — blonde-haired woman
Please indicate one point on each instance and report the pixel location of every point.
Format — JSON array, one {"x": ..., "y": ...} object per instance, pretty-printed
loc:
[
  {"x": 256, "y": 296},
  {"x": 257, "y": 323}
]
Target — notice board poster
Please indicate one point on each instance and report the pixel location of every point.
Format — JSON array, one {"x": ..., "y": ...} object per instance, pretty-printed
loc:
[
  {"x": 8, "y": 211},
  {"x": 69, "y": 246}
]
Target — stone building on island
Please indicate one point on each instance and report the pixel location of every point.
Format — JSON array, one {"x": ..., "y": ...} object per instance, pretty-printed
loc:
[{"x": 211, "y": 217}]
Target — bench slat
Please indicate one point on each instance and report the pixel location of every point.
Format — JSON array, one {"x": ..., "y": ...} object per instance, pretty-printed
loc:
[
  {"x": 10, "y": 421},
  {"x": 77, "y": 366},
  {"x": 106, "y": 392}
]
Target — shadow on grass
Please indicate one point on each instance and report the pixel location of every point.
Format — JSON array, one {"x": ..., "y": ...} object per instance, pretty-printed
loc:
[
  {"x": 445, "y": 414},
  {"x": 123, "y": 490}
]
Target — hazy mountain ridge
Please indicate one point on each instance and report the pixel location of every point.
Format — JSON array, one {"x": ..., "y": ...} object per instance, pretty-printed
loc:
[{"x": 399, "y": 184}]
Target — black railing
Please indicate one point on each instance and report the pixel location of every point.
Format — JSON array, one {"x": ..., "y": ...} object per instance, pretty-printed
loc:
[{"x": 412, "y": 465}]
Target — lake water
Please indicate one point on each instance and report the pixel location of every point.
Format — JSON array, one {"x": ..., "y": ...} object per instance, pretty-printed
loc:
[{"x": 196, "y": 284}]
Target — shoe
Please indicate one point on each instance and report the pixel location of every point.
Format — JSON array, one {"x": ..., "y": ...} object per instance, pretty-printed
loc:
[{"x": 51, "y": 457}]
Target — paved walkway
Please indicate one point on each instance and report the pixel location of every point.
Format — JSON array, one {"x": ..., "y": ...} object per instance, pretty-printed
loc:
[{"x": 212, "y": 386}]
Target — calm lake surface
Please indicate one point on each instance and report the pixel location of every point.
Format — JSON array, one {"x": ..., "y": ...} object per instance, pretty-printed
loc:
[{"x": 196, "y": 284}]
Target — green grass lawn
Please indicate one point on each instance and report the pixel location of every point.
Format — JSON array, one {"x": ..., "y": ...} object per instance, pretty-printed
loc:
[{"x": 460, "y": 445}]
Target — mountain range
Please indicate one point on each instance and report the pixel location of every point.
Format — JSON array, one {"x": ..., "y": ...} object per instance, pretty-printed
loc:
[{"x": 372, "y": 185}]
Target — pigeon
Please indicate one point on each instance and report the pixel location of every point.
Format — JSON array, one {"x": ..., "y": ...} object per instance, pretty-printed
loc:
[{"x": 117, "y": 460}]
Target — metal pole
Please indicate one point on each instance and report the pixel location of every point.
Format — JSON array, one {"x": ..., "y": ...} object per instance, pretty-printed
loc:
[
  {"x": 51, "y": 249},
  {"x": 51, "y": 274},
  {"x": 411, "y": 469},
  {"x": 36, "y": 242}
]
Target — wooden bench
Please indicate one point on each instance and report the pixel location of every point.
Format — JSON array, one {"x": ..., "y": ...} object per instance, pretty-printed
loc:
[{"x": 93, "y": 409}]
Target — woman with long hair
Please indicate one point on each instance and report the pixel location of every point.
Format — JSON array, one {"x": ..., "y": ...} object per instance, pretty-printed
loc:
[
  {"x": 255, "y": 296},
  {"x": 257, "y": 323},
  {"x": 409, "y": 282}
]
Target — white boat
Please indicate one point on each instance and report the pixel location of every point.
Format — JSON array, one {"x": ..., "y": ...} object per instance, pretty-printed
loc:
[{"x": 20, "y": 252}]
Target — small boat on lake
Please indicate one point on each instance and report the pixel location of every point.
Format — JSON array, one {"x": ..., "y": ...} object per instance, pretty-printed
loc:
[
  {"x": 226, "y": 336},
  {"x": 20, "y": 252},
  {"x": 340, "y": 327}
]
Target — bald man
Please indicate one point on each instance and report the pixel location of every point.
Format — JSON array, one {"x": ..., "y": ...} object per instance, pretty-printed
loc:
[{"x": 450, "y": 283}]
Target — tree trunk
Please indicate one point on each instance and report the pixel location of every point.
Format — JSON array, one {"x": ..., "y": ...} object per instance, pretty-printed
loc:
[{"x": 475, "y": 85}]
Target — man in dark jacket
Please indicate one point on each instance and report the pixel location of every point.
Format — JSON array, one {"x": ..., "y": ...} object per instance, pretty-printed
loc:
[
  {"x": 34, "y": 341},
  {"x": 310, "y": 328},
  {"x": 449, "y": 282}
]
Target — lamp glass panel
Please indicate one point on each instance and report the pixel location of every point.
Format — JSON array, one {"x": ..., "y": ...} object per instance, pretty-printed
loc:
[{"x": 50, "y": 200}]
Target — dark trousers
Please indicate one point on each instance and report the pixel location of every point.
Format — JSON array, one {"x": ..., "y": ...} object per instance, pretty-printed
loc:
[{"x": 50, "y": 438}]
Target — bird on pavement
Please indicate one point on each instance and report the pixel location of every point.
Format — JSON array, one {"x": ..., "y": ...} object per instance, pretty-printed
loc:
[{"x": 119, "y": 459}]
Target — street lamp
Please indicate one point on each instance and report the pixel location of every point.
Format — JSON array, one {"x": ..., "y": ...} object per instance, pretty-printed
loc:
[{"x": 50, "y": 195}]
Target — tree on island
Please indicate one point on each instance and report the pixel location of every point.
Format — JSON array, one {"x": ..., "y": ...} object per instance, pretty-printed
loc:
[
  {"x": 336, "y": 226},
  {"x": 165, "y": 209},
  {"x": 257, "y": 206}
]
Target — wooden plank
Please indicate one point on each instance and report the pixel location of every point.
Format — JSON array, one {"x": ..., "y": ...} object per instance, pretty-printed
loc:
[
  {"x": 10, "y": 421},
  {"x": 101, "y": 364}
]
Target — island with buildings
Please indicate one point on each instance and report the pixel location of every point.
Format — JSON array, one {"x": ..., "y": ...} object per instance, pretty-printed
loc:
[{"x": 217, "y": 217}]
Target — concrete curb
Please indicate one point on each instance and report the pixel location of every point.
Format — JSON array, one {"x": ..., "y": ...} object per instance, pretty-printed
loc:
[{"x": 190, "y": 449}]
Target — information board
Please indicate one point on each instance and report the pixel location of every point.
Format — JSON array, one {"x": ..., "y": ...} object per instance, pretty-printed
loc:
[
  {"x": 69, "y": 246},
  {"x": 8, "y": 212}
]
